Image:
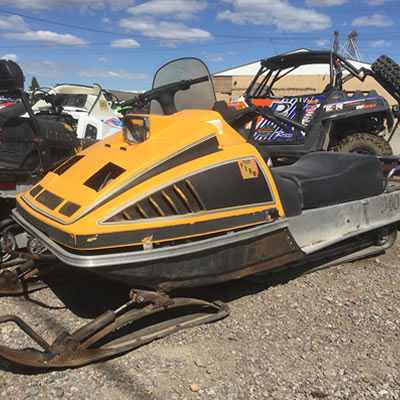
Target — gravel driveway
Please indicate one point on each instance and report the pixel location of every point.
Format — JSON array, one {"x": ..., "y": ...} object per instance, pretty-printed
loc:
[{"x": 332, "y": 334}]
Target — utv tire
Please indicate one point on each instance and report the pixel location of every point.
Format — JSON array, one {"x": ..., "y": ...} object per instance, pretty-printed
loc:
[
  {"x": 364, "y": 143},
  {"x": 388, "y": 70}
]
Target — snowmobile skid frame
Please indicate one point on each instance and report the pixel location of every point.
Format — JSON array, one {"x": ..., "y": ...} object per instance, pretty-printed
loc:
[{"x": 79, "y": 348}]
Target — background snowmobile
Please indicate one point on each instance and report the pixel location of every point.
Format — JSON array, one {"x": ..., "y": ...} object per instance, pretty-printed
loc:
[
  {"x": 35, "y": 139},
  {"x": 183, "y": 200}
]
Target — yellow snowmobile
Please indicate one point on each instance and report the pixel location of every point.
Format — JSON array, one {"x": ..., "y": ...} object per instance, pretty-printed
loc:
[{"x": 183, "y": 200}]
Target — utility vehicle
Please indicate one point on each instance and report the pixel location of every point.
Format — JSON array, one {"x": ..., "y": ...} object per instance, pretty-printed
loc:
[{"x": 332, "y": 117}]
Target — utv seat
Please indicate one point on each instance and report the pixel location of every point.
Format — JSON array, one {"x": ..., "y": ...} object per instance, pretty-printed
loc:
[
  {"x": 321, "y": 179},
  {"x": 234, "y": 117}
]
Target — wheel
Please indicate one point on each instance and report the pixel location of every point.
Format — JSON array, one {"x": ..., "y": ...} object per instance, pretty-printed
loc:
[
  {"x": 388, "y": 70},
  {"x": 364, "y": 143},
  {"x": 386, "y": 236},
  {"x": 10, "y": 238}
]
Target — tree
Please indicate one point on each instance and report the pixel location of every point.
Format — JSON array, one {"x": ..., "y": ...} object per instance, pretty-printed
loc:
[{"x": 34, "y": 85}]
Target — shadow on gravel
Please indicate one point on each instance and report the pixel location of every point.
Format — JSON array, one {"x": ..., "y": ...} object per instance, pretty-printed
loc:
[
  {"x": 87, "y": 296},
  {"x": 126, "y": 383}
]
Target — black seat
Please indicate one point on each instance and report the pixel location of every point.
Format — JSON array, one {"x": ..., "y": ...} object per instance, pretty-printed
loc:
[
  {"x": 11, "y": 111},
  {"x": 325, "y": 178},
  {"x": 236, "y": 118},
  {"x": 20, "y": 151}
]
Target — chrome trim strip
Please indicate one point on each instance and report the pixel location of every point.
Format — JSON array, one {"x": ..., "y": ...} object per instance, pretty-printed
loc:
[{"x": 84, "y": 261}]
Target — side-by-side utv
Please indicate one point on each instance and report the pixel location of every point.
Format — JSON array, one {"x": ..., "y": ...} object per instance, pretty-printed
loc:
[
  {"x": 335, "y": 112},
  {"x": 179, "y": 199}
]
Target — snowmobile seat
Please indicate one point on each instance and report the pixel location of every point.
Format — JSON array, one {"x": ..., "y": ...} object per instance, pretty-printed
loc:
[
  {"x": 22, "y": 154},
  {"x": 321, "y": 179},
  {"x": 14, "y": 110}
]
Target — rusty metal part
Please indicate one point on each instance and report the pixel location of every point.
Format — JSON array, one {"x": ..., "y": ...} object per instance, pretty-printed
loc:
[
  {"x": 157, "y": 299},
  {"x": 15, "y": 280},
  {"x": 79, "y": 348},
  {"x": 30, "y": 256},
  {"x": 19, "y": 254}
]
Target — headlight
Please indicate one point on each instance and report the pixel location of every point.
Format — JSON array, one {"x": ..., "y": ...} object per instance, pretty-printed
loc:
[{"x": 136, "y": 129}]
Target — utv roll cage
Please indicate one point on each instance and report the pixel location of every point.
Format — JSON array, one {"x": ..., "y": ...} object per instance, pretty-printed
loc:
[{"x": 277, "y": 67}]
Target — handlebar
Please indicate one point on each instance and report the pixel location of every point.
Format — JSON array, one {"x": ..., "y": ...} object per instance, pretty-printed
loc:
[{"x": 163, "y": 94}]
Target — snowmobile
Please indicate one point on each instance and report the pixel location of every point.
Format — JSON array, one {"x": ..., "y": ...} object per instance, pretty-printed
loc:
[
  {"x": 37, "y": 138},
  {"x": 179, "y": 199}
]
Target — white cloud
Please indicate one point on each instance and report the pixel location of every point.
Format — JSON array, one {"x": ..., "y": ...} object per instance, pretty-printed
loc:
[
  {"x": 324, "y": 3},
  {"x": 125, "y": 43},
  {"x": 381, "y": 43},
  {"x": 102, "y": 59},
  {"x": 48, "y": 38},
  {"x": 12, "y": 57},
  {"x": 106, "y": 20},
  {"x": 55, "y": 4},
  {"x": 48, "y": 69},
  {"x": 117, "y": 5},
  {"x": 167, "y": 31},
  {"x": 13, "y": 23},
  {"x": 378, "y": 2},
  {"x": 215, "y": 58},
  {"x": 322, "y": 42},
  {"x": 377, "y": 19},
  {"x": 279, "y": 13},
  {"x": 95, "y": 72},
  {"x": 178, "y": 9}
]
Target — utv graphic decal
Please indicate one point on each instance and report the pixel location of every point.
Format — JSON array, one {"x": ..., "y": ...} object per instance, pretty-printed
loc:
[
  {"x": 114, "y": 123},
  {"x": 353, "y": 103},
  {"x": 334, "y": 107},
  {"x": 361, "y": 107},
  {"x": 286, "y": 107},
  {"x": 248, "y": 168},
  {"x": 310, "y": 106}
]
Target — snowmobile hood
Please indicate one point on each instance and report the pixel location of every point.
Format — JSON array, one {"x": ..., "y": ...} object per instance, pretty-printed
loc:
[{"x": 192, "y": 166}]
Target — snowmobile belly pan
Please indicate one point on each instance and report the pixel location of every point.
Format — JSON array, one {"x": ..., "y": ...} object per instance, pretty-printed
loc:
[
  {"x": 318, "y": 228},
  {"x": 227, "y": 257}
]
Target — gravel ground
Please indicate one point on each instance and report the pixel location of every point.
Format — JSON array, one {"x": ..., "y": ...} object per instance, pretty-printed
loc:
[{"x": 331, "y": 334}]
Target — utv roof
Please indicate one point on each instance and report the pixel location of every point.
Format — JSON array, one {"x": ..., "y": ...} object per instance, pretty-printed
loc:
[
  {"x": 306, "y": 60},
  {"x": 302, "y": 57}
]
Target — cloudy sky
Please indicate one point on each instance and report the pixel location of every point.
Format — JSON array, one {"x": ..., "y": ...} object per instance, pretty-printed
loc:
[{"x": 121, "y": 43}]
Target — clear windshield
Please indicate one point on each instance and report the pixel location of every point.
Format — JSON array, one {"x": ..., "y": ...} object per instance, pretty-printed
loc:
[{"x": 198, "y": 96}]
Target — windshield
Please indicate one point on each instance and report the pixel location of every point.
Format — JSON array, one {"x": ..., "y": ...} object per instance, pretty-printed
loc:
[{"x": 198, "y": 96}]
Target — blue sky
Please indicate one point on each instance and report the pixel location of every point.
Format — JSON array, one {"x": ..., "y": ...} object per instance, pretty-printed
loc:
[{"x": 121, "y": 43}]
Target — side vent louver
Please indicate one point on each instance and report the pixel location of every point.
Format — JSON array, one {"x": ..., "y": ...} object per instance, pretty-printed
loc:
[
  {"x": 67, "y": 165},
  {"x": 104, "y": 176},
  {"x": 180, "y": 198},
  {"x": 69, "y": 208},
  {"x": 34, "y": 191},
  {"x": 50, "y": 200}
]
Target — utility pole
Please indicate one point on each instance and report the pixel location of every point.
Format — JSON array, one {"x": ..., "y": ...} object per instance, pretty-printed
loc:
[{"x": 350, "y": 48}]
